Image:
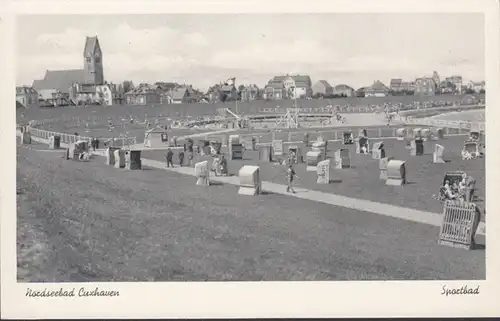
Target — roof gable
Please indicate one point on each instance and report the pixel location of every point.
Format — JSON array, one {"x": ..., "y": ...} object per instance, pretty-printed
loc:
[
  {"x": 378, "y": 86},
  {"x": 278, "y": 79},
  {"x": 301, "y": 78},
  {"x": 324, "y": 83},
  {"x": 343, "y": 87},
  {"x": 179, "y": 93},
  {"x": 395, "y": 82},
  {"x": 275, "y": 85}
]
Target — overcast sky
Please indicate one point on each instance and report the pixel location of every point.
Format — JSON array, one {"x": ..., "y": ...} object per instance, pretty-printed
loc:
[{"x": 354, "y": 49}]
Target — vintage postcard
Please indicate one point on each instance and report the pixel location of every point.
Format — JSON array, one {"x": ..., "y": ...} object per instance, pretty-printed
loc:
[{"x": 249, "y": 158}]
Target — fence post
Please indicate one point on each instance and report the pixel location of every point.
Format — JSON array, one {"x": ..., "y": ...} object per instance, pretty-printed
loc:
[{"x": 379, "y": 132}]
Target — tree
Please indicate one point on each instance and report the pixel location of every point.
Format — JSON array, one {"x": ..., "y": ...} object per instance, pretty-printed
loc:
[
  {"x": 223, "y": 97},
  {"x": 469, "y": 91},
  {"x": 128, "y": 85},
  {"x": 482, "y": 91},
  {"x": 260, "y": 93}
]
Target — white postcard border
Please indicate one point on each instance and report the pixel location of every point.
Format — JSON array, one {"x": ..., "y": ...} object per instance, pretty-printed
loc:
[{"x": 248, "y": 299}]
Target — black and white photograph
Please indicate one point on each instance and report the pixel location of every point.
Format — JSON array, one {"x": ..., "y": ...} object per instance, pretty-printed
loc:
[{"x": 173, "y": 149}]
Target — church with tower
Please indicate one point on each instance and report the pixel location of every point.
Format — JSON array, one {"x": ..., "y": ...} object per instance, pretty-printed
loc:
[{"x": 80, "y": 86}]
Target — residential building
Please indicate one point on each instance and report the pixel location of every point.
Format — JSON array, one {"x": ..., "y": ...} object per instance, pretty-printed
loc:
[
  {"x": 298, "y": 86},
  {"x": 322, "y": 88},
  {"x": 52, "y": 97},
  {"x": 399, "y": 86},
  {"x": 408, "y": 86},
  {"x": 289, "y": 87},
  {"x": 91, "y": 94},
  {"x": 144, "y": 94},
  {"x": 180, "y": 95},
  {"x": 249, "y": 93},
  {"x": 360, "y": 92},
  {"x": 26, "y": 96},
  {"x": 213, "y": 93},
  {"x": 343, "y": 90},
  {"x": 377, "y": 89},
  {"x": 476, "y": 86},
  {"x": 274, "y": 91},
  {"x": 425, "y": 87},
  {"x": 396, "y": 85},
  {"x": 167, "y": 86},
  {"x": 229, "y": 92},
  {"x": 456, "y": 81},
  {"x": 118, "y": 93}
]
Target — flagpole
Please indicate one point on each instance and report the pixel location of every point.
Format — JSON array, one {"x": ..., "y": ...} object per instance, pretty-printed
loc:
[{"x": 234, "y": 84}]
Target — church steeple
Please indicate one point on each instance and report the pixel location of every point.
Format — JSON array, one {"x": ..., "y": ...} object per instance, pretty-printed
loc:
[{"x": 92, "y": 62}]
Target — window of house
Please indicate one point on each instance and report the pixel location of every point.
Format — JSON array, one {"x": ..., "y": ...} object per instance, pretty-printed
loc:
[
  {"x": 89, "y": 59},
  {"x": 98, "y": 59}
]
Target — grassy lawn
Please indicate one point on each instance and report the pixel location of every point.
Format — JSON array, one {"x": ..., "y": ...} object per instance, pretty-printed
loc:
[
  {"x": 89, "y": 222},
  {"x": 362, "y": 180}
]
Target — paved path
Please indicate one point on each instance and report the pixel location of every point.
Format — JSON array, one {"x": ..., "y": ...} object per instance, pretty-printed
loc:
[{"x": 327, "y": 198}]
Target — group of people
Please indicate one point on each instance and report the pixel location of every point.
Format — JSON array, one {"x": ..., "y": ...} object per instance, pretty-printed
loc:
[
  {"x": 458, "y": 191},
  {"x": 169, "y": 158},
  {"x": 219, "y": 166},
  {"x": 94, "y": 143}
]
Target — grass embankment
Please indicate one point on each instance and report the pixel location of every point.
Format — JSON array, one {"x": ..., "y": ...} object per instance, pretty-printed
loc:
[{"x": 89, "y": 222}]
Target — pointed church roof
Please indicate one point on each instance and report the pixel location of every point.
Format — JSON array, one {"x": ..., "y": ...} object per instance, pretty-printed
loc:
[
  {"x": 60, "y": 80},
  {"x": 90, "y": 45}
]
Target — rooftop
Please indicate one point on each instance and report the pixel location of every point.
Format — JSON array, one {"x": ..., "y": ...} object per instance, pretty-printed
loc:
[{"x": 60, "y": 80}]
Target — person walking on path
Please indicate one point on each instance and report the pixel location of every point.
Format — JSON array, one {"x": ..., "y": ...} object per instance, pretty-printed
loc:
[
  {"x": 290, "y": 173},
  {"x": 168, "y": 157},
  {"x": 181, "y": 158},
  {"x": 223, "y": 165}
]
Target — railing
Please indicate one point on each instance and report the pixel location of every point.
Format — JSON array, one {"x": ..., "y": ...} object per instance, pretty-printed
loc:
[
  {"x": 365, "y": 109},
  {"x": 69, "y": 139},
  {"x": 338, "y": 134}
]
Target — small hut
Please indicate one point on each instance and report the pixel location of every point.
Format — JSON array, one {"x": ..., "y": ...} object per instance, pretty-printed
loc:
[{"x": 155, "y": 137}]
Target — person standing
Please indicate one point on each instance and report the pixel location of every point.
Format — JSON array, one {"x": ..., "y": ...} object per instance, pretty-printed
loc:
[
  {"x": 168, "y": 157},
  {"x": 181, "y": 158},
  {"x": 290, "y": 173},
  {"x": 223, "y": 165}
]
